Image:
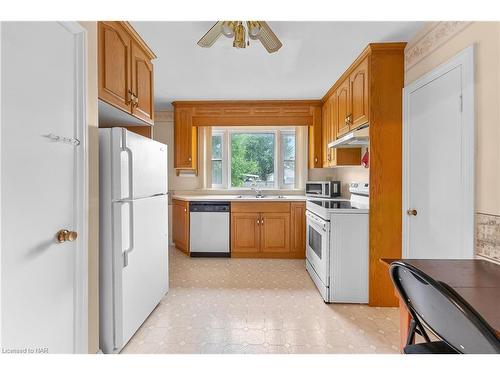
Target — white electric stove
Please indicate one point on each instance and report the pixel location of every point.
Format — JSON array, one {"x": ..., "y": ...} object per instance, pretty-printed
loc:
[{"x": 337, "y": 245}]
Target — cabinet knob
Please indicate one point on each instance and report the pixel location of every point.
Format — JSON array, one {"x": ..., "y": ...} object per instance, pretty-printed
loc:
[
  {"x": 258, "y": 221},
  {"x": 189, "y": 158},
  {"x": 316, "y": 159}
]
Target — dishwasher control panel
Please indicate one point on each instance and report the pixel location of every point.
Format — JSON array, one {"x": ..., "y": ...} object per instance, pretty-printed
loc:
[{"x": 209, "y": 207}]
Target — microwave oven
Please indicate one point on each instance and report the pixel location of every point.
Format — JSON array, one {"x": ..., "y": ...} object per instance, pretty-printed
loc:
[{"x": 323, "y": 189}]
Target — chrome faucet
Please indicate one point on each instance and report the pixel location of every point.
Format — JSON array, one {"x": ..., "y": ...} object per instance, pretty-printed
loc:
[{"x": 258, "y": 192}]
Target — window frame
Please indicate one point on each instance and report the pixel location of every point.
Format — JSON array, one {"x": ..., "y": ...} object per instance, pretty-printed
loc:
[
  {"x": 223, "y": 135},
  {"x": 281, "y": 134},
  {"x": 227, "y": 133}
]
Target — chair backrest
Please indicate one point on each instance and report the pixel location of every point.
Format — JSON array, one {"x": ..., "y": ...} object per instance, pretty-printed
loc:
[{"x": 445, "y": 312}]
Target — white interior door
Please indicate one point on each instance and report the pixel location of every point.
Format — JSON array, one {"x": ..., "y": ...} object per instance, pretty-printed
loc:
[
  {"x": 43, "y": 190},
  {"x": 439, "y": 162}
]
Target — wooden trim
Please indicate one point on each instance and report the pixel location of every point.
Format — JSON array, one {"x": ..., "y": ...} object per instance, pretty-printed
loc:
[
  {"x": 251, "y": 112},
  {"x": 253, "y": 121},
  {"x": 225, "y": 103},
  {"x": 139, "y": 39},
  {"x": 372, "y": 47}
]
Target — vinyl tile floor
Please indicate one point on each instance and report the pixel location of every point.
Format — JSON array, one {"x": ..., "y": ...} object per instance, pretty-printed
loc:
[{"x": 257, "y": 306}]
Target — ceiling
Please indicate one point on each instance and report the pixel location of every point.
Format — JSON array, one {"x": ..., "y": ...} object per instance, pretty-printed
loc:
[{"x": 313, "y": 56}]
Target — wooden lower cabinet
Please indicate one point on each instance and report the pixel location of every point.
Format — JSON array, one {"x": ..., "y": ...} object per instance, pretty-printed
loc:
[
  {"x": 180, "y": 224},
  {"x": 275, "y": 233},
  {"x": 298, "y": 228},
  {"x": 245, "y": 232},
  {"x": 268, "y": 230}
]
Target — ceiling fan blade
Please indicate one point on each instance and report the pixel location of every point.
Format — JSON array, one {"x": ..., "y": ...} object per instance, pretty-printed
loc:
[
  {"x": 268, "y": 39},
  {"x": 211, "y": 36}
]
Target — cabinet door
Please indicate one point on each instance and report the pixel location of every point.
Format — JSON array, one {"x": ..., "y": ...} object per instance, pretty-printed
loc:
[
  {"x": 332, "y": 132},
  {"x": 185, "y": 139},
  {"x": 343, "y": 108},
  {"x": 114, "y": 65},
  {"x": 359, "y": 95},
  {"x": 142, "y": 84},
  {"x": 325, "y": 127},
  {"x": 275, "y": 232},
  {"x": 180, "y": 225},
  {"x": 315, "y": 139},
  {"x": 298, "y": 229},
  {"x": 245, "y": 233}
]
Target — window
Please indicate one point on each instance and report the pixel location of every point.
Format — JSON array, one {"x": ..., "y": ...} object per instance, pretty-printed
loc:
[
  {"x": 288, "y": 149},
  {"x": 217, "y": 159},
  {"x": 252, "y": 160},
  {"x": 246, "y": 158}
]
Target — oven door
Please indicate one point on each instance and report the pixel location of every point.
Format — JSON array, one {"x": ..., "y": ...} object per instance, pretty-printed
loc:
[{"x": 317, "y": 246}]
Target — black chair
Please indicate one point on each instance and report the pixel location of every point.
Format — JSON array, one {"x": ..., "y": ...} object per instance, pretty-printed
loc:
[{"x": 445, "y": 313}]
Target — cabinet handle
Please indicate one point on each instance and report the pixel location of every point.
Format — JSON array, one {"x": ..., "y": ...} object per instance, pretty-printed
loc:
[
  {"x": 130, "y": 98},
  {"x": 258, "y": 222},
  {"x": 262, "y": 221},
  {"x": 185, "y": 210}
]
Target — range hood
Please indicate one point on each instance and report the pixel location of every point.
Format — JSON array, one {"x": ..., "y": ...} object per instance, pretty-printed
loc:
[{"x": 356, "y": 138}]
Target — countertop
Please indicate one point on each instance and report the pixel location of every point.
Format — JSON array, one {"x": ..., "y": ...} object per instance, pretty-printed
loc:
[{"x": 240, "y": 198}]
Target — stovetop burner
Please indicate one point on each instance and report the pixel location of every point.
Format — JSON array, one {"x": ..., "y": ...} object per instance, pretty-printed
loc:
[{"x": 334, "y": 204}]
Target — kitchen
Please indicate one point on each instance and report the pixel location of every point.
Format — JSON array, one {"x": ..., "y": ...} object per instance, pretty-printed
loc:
[{"x": 270, "y": 209}]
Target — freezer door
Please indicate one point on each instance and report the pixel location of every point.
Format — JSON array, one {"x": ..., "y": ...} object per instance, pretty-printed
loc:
[
  {"x": 142, "y": 231},
  {"x": 139, "y": 165}
]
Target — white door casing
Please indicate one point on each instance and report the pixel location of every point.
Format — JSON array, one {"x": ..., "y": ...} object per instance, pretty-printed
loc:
[
  {"x": 439, "y": 161},
  {"x": 44, "y": 179}
]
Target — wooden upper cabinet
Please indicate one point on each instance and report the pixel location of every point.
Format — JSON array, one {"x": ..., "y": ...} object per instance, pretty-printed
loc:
[
  {"x": 315, "y": 139},
  {"x": 343, "y": 102},
  {"x": 125, "y": 70},
  {"x": 185, "y": 139},
  {"x": 325, "y": 127},
  {"x": 142, "y": 84},
  {"x": 114, "y": 65},
  {"x": 245, "y": 232},
  {"x": 275, "y": 232},
  {"x": 359, "y": 95}
]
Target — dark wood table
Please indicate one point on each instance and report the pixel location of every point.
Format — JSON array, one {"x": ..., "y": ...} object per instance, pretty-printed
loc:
[{"x": 476, "y": 280}]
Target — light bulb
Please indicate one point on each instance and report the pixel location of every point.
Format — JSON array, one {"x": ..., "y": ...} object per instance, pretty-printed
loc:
[
  {"x": 254, "y": 29},
  {"x": 228, "y": 29}
]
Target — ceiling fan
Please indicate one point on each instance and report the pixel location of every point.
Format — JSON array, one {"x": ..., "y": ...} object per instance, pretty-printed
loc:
[{"x": 256, "y": 30}]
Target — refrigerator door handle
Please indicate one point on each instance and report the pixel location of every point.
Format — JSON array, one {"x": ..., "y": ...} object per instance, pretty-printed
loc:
[
  {"x": 130, "y": 231},
  {"x": 126, "y": 149}
]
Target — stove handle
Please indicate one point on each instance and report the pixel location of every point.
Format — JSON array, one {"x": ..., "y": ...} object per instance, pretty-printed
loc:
[{"x": 317, "y": 221}]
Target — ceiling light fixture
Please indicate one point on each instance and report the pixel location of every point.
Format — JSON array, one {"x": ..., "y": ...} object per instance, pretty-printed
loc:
[{"x": 255, "y": 30}]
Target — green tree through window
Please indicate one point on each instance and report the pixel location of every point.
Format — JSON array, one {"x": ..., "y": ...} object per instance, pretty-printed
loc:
[{"x": 252, "y": 159}]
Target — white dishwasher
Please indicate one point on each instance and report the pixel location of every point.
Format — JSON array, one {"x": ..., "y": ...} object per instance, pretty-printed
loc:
[{"x": 209, "y": 229}]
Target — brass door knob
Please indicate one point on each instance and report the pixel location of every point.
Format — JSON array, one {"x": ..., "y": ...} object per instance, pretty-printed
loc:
[
  {"x": 412, "y": 212},
  {"x": 66, "y": 235}
]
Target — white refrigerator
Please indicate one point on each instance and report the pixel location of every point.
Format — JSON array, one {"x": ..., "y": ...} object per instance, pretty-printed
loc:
[{"x": 133, "y": 233}]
